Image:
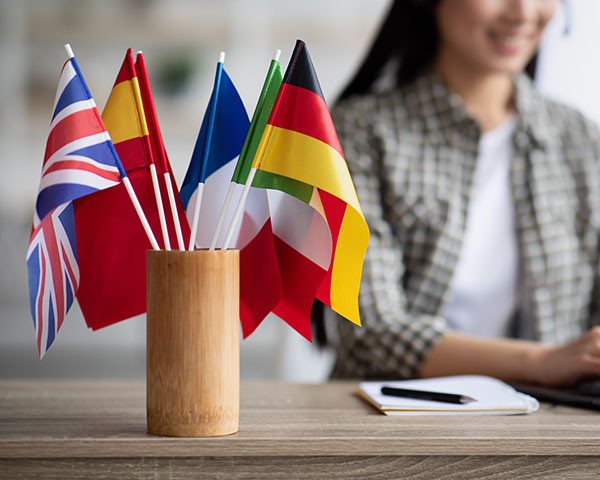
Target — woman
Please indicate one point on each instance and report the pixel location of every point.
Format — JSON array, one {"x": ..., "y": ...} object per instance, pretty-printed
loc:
[{"x": 483, "y": 201}]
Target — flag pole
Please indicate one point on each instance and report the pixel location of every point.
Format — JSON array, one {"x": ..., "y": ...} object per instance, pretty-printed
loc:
[
  {"x": 153, "y": 174},
  {"x": 159, "y": 205},
  {"x": 239, "y": 208},
  {"x": 139, "y": 211},
  {"x": 69, "y": 50},
  {"x": 210, "y": 126},
  {"x": 162, "y": 159},
  {"x": 174, "y": 212},
  {"x": 232, "y": 185},
  {"x": 224, "y": 211},
  {"x": 125, "y": 178}
]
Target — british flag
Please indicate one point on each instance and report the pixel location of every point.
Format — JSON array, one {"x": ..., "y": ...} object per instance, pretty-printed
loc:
[{"x": 80, "y": 159}]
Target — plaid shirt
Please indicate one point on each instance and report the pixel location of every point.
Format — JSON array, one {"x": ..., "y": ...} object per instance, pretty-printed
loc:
[{"x": 412, "y": 154}]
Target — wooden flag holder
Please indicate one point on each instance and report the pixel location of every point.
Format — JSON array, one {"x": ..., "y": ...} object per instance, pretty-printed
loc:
[{"x": 192, "y": 352}]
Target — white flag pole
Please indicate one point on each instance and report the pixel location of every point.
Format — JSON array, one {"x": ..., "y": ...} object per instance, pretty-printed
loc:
[
  {"x": 224, "y": 211},
  {"x": 174, "y": 211},
  {"x": 196, "y": 217},
  {"x": 69, "y": 50},
  {"x": 160, "y": 206},
  {"x": 140, "y": 213},
  {"x": 239, "y": 208}
]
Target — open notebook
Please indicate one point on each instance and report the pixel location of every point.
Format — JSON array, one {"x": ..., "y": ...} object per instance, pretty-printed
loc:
[{"x": 492, "y": 397}]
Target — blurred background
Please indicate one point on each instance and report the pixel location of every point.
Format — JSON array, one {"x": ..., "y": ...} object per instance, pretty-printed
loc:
[{"x": 181, "y": 40}]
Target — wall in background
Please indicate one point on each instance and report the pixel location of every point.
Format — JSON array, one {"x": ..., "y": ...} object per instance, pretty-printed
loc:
[
  {"x": 569, "y": 69},
  {"x": 181, "y": 40}
]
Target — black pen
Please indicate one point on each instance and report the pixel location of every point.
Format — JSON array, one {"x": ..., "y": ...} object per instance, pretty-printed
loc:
[{"x": 423, "y": 395}]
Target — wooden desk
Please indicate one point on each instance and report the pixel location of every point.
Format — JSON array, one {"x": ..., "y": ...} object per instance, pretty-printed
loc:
[{"x": 98, "y": 430}]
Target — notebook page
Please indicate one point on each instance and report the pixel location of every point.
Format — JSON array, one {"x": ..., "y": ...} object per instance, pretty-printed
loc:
[{"x": 491, "y": 396}]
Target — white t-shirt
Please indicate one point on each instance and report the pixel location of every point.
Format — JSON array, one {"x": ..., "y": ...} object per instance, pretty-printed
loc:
[{"x": 484, "y": 289}]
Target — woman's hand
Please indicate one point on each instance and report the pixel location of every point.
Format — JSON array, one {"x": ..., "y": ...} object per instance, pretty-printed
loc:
[
  {"x": 569, "y": 363},
  {"x": 515, "y": 360}
]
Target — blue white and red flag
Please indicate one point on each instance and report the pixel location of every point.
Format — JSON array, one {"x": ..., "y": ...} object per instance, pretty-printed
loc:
[
  {"x": 53, "y": 273},
  {"x": 80, "y": 159},
  {"x": 219, "y": 143}
]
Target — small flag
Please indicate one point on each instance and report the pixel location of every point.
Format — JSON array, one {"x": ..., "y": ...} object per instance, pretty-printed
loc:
[
  {"x": 80, "y": 160},
  {"x": 113, "y": 262},
  {"x": 255, "y": 240},
  {"x": 260, "y": 286},
  {"x": 222, "y": 133},
  {"x": 260, "y": 118},
  {"x": 182, "y": 230},
  {"x": 320, "y": 249}
]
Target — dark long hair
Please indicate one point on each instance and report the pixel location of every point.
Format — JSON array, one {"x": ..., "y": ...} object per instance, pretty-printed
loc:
[{"x": 407, "y": 43}]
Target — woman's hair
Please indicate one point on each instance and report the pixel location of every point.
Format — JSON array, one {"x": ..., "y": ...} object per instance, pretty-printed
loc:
[{"x": 407, "y": 44}]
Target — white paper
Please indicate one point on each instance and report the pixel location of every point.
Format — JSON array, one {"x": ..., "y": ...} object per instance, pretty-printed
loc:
[{"x": 492, "y": 397}]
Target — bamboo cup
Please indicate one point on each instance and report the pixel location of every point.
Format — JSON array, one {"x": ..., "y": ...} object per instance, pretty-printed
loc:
[{"x": 192, "y": 352}]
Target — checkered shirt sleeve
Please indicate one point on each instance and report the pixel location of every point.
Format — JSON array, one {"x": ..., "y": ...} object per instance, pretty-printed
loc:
[
  {"x": 391, "y": 342},
  {"x": 412, "y": 155}
]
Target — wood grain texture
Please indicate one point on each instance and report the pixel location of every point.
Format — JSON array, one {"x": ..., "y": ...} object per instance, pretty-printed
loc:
[
  {"x": 312, "y": 467},
  {"x": 192, "y": 349},
  {"x": 286, "y": 430}
]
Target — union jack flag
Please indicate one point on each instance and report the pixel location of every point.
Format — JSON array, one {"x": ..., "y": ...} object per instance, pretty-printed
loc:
[
  {"x": 80, "y": 159},
  {"x": 53, "y": 273}
]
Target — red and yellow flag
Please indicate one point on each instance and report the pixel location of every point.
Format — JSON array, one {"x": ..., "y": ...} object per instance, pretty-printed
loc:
[
  {"x": 300, "y": 155},
  {"x": 113, "y": 264}
]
